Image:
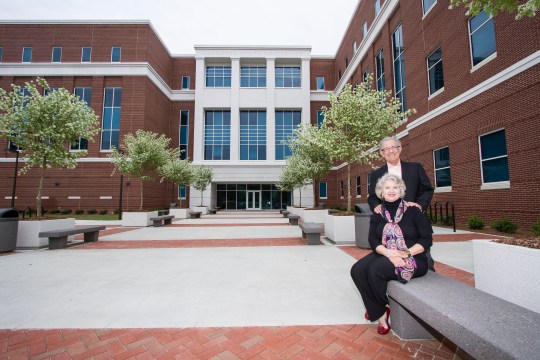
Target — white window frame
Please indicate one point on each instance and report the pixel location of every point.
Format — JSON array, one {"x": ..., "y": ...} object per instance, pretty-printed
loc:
[
  {"x": 364, "y": 29},
  {"x": 317, "y": 83},
  {"x": 437, "y": 92},
  {"x": 326, "y": 188},
  {"x": 31, "y": 54},
  {"x": 377, "y": 7},
  {"x": 491, "y": 185},
  {"x": 188, "y": 82},
  {"x": 440, "y": 189},
  {"x": 486, "y": 60},
  {"x": 424, "y": 11},
  {"x": 82, "y": 54},
  {"x": 52, "y": 55},
  {"x": 112, "y": 50}
]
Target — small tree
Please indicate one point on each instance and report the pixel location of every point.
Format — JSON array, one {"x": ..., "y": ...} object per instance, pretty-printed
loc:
[
  {"x": 202, "y": 177},
  {"x": 295, "y": 175},
  {"x": 43, "y": 126},
  {"x": 493, "y": 7},
  {"x": 358, "y": 118},
  {"x": 178, "y": 172},
  {"x": 144, "y": 153}
]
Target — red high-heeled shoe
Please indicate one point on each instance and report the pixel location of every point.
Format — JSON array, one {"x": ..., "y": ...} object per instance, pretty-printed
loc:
[
  {"x": 366, "y": 315},
  {"x": 381, "y": 329}
]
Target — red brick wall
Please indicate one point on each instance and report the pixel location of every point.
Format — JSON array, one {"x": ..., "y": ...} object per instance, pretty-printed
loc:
[
  {"x": 325, "y": 68},
  {"x": 182, "y": 66}
]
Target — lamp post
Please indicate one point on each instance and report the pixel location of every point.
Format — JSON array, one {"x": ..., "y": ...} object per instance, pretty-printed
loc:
[{"x": 14, "y": 175}]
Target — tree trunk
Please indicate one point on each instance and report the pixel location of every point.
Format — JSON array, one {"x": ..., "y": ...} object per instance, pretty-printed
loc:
[
  {"x": 300, "y": 192},
  {"x": 141, "y": 205},
  {"x": 40, "y": 188},
  {"x": 201, "y": 196},
  {"x": 315, "y": 203},
  {"x": 349, "y": 198}
]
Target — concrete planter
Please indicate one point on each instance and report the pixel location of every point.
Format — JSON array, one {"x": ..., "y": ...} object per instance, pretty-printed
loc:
[
  {"x": 180, "y": 213},
  {"x": 296, "y": 210},
  {"x": 314, "y": 215},
  {"x": 339, "y": 229},
  {"x": 202, "y": 209},
  {"x": 27, "y": 234},
  {"x": 138, "y": 218},
  {"x": 508, "y": 272}
]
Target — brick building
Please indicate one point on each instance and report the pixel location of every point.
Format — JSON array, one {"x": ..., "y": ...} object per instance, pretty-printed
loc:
[{"x": 474, "y": 83}]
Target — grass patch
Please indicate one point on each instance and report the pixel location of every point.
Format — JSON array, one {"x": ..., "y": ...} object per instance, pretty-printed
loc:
[{"x": 81, "y": 216}]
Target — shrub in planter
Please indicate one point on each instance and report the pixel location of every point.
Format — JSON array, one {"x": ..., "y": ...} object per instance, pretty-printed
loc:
[
  {"x": 91, "y": 211},
  {"x": 67, "y": 211},
  {"x": 535, "y": 228},
  {"x": 79, "y": 211},
  {"x": 504, "y": 225},
  {"x": 474, "y": 222},
  {"x": 103, "y": 212},
  {"x": 54, "y": 211}
]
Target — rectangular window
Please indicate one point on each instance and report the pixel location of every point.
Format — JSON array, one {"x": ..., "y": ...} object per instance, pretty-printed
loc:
[
  {"x": 377, "y": 7},
  {"x": 185, "y": 82},
  {"x": 218, "y": 76},
  {"x": 85, "y": 94},
  {"x": 288, "y": 77},
  {"x": 217, "y": 135},
  {"x": 354, "y": 48},
  {"x": 365, "y": 75},
  {"x": 441, "y": 159},
  {"x": 346, "y": 63},
  {"x": 364, "y": 29},
  {"x": 494, "y": 157},
  {"x": 56, "y": 55},
  {"x": 26, "y": 54},
  {"x": 323, "y": 190},
  {"x": 482, "y": 37},
  {"x": 342, "y": 189},
  {"x": 435, "y": 71},
  {"x": 182, "y": 191},
  {"x": 110, "y": 127},
  {"x": 427, "y": 5},
  {"x": 1, "y": 53},
  {"x": 320, "y": 118},
  {"x": 252, "y": 135},
  {"x": 320, "y": 82},
  {"x": 368, "y": 182},
  {"x": 358, "y": 186},
  {"x": 49, "y": 90},
  {"x": 399, "y": 67},
  {"x": 379, "y": 68},
  {"x": 184, "y": 134},
  {"x": 86, "y": 54},
  {"x": 286, "y": 122},
  {"x": 116, "y": 54},
  {"x": 253, "y": 76}
]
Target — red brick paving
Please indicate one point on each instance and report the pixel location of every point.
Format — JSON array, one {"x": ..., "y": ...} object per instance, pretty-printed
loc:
[
  {"x": 149, "y": 244},
  {"x": 221, "y": 225}
]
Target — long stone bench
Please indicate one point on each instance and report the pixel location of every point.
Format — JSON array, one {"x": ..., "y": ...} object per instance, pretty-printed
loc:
[
  {"x": 195, "y": 214},
  {"x": 212, "y": 211},
  {"x": 162, "y": 220},
  {"x": 58, "y": 238},
  {"x": 285, "y": 214},
  {"x": 293, "y": 219},
  {"x": 484, "y": 326},
  {"x": 311, "y": 232}
]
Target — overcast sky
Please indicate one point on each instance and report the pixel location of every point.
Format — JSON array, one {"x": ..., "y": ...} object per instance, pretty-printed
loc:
[{"x": 181, "y": 24}]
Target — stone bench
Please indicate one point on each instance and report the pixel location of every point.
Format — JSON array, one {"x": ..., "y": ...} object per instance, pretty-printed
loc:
[
  {"x": 195, "y": 214},
  {"x": 285, "y": 213},
  {"x": 311, "y": 232},
  {"x": 484, "y": 326},
  {"x": 58, "y": 238},
  {"x": 162, "y": 220},
  {"x": 293, "y": 219},
  {"x": 212, "y": 211}
]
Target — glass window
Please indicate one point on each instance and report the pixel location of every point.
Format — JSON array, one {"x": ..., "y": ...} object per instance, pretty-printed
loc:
[
  {"x": 364, "y": 29},
  {"x": 399, "y": 67},
  {"x": 86, "y": 54},
  {"x": 368, "y": 182},
  {"x": 110, "y": 127},
  {"x": 49, "y": 90},
  {"x": 320, "y": 118},
  {"x": 116, "y": 54},
  {"x": 494, "y": 157},
  {"x": 435, "y": 71},
  {"x": 1, "y": 53},
  {"x": 288, "y": 76},
  {"x": 184, "y": 134},
  {"x": 27, "y": 54},
  {"x": 182, "y": 189},
  {"x": 365, "y": 75},
  {"x": 286, "y": 122},
  {"x": 427, "y": 5},
  {"x": 320, "y": 82},
  {"x": 85, "y": 94},
  {"x": 441, "y": 159},
  {"x": 482, "y": 34},
  {"x": 56, "y": 55},
  {"x": 354, "y": 48},
  {"x": 342, "y": 189},
  {"x": 253, "y": 76},
  {"x": 379, "y": 67},
  {"x": 185, "y": 82},
  {"x": 252, "y": 135},
  {"x": 217, "y": 135},
  {"x": 323, "y": 193},
  {"x": 358, "y": 186},
  {"x": 218, "y": 76},
  {"x": 377, "y": 7}
]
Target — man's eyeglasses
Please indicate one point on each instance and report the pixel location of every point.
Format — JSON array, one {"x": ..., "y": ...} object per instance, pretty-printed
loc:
[{"x": 387, "y": 149}]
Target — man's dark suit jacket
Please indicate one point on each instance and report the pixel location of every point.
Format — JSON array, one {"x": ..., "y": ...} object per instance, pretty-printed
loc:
[{"x": 419, "y": 189}]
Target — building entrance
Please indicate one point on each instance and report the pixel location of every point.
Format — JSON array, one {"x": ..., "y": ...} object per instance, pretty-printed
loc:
[
  {"x": 251, "y": 197},
  {"x": 253, "y": 200}
]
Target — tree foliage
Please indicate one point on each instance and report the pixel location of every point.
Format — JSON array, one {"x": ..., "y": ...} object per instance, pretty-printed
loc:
[
  {"x": 143, "y": 154},
  {"x": 494, "y": 7},
  {"x": 357, "y": 119},
  {"x": 177, "y": 171},
  {"x": 295, "y": 175},
  {"x": 43, "y": 126},
  {"x": 202, "y": 177}
]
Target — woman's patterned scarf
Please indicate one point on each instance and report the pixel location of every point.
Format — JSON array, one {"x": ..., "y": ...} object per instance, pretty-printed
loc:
[{"x": 392, "y": 238}]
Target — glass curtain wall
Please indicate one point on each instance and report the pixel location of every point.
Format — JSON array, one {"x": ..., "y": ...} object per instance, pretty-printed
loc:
[{"x": 234, "y": 196}]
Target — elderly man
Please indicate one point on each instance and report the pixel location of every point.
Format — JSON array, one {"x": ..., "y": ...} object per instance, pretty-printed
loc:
[{"x": 418, "y": 187}]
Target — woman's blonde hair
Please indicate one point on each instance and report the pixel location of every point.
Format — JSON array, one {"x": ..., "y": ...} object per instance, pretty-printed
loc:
[{"x": 389, "y": 177}]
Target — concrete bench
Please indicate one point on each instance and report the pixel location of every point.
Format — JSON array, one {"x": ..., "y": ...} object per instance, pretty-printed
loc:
[
  {"x": 212, "y": 211},
  {"x": 484, "y": 326},
  {"x": 195, "y": 214},
  {"x": 58, "y": 238},
  {"x": 311, "y": 232},
  {"x": 293, "y": 219},
  {"x": 285, "y": 213},
  {"x": 162, "y": 220},
  {"x": 163, "y": 212}
]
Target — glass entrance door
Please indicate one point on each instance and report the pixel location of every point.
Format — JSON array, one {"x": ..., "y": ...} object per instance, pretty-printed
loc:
[{"x": 253, "y": 200}]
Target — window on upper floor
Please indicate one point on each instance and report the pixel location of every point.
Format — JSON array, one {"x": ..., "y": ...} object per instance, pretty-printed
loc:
[
  {"x": 377, "y": 7},
  {"x": 217, "y": 135},
  {"x": 86, "y": 54},
  {"x": 1, "y": 53},
  {"x": 494, "y": 157},
  {"x": 339, "y": 74},
  {"x": 288, "y": 77},
  {"x": 253, "y": 76},
  {"x": 286, "y": 122},
  {"x": 342, "y": 189},
  {"x": 427, "y": 5},
  {"x": 323, "y": 190},
  {"x": 346, "y": 63},
  {"x": 253, "y": 135},
  {"x": 365, "y": 75},
  {"x": 364, "y": 29},
  {"x": 56, "y": 55},
  {"x": 358, "y": 186},
  {"x": 482, "y": 37},
  {"x": 110, "y": 125},
  {"x": 27, "y": 54},
  {"x": 183, "y": 141},
  {"x": 441, "y": 160},
  {"x": 354, "y": 47},
  {"x": 218, "y": 76},
  {"x": 186, "y": 82},
  {"x": 116, "y": 54},
  {"x": 85, "y": 94},
  {"x": 399, "y": 67},
  {"x": 379, "y": 68},
  {"x": 320, "y": 82},
  {"x": 435, "y": 71},
  {"x": 320, "y": 118}
]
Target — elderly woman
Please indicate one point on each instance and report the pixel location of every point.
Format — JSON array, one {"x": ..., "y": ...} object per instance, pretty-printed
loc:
[{"x": 398, "y": 236}]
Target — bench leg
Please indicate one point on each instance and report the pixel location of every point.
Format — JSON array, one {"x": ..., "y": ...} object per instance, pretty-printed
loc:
[
  {"x": 157, "y": 223},
  {"x": 293, "y": 221},
  {"x": 168, "y": 221},
  {"x": 303, "y": 235},
  {"x": 406, "y": 325},
  {"x": 285, "y": 215},
  {"x": 91, "y": 236},
  {"x": 313, "y": 239},
  {"x": 57, "y": 242}
]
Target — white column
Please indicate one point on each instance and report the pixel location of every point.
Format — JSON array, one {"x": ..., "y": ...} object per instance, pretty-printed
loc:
[
  {"x": 235, "y": 111},
  {"x": 198, "y": 128},
  {"x": 306, "y": 109},
  {"x": 270, "y": 109}
]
